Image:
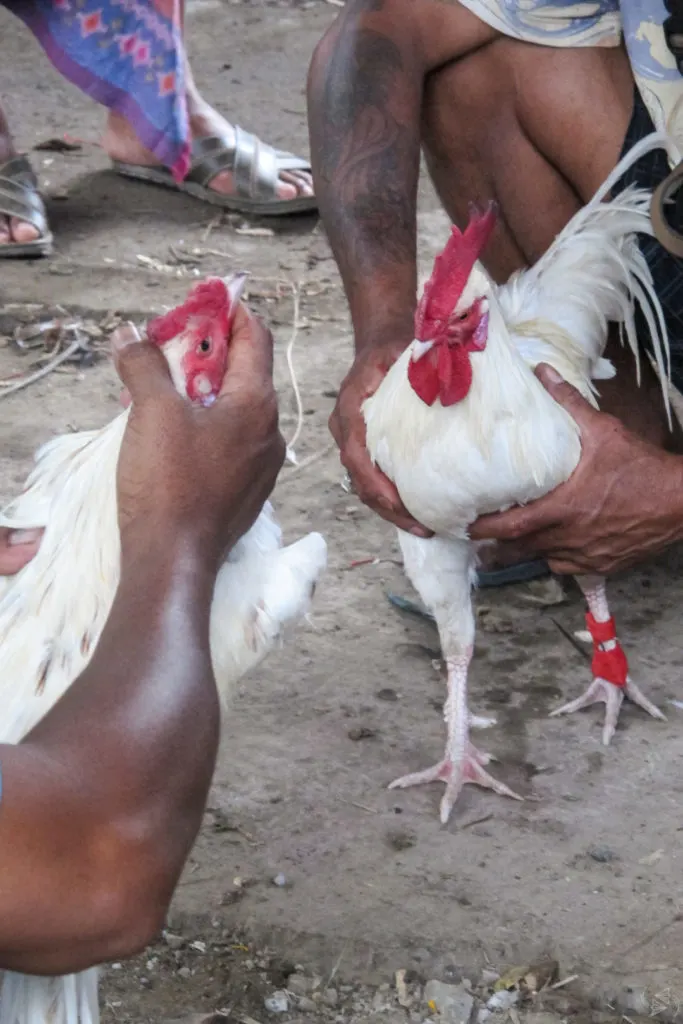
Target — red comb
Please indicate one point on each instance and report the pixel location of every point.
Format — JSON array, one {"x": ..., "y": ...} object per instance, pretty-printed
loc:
[
  {"x": 453, "y": 267},
  {"x": 208, "y": 298}
]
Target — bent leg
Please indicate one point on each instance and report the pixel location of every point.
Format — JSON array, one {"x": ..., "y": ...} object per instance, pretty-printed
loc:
[{"x": 538, "y": 130}]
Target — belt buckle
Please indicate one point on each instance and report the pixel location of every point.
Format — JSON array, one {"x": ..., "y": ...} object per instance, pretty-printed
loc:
[{"x": 667, "y": 236}]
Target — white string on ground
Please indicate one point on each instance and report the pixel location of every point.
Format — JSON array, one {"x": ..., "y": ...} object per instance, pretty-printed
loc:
[{"x": 289, "y": 355}]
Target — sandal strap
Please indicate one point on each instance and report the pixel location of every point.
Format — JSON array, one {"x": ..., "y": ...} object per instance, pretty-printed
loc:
[
  {"x": 19, "y": 195},
  {"x": 256, "y": 166}
]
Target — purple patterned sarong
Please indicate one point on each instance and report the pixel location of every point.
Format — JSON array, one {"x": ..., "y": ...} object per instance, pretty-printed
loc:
[{"x": 127, "y": 55}]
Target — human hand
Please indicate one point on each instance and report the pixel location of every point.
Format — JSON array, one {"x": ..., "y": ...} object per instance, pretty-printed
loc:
[
  {"x": 17, "y": 548},
  {"x": 191, "y": 472},
  {"x": 623, "y": 502},
  {"x": 348, "y": 429}
]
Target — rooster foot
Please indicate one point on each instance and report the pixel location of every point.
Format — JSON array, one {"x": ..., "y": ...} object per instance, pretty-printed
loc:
[
  {"x": 457, "y": 774},
  {"x": 600, "y": 691}
]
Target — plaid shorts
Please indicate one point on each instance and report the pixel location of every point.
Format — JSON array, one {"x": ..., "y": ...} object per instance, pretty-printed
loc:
[{"x": 666, "y": 270}]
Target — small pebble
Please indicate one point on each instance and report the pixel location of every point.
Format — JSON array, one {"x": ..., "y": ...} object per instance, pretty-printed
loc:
[
  {"x": 307, "y": 1005},
  {"x": 361, "y": 732},
  {"x": 298, "y": 983},
  {"x": 174, "y": 941},
  {"x": 277, "y": 1003},
  {"x": 387, "y": 693},
  {"x": 602, "y": 854},
  {"x": 280, "y": 880},
  {"x": 330, "y": 997},
  {"x": 379, "y": 1002},
  {"x": 184, "y": 972}
]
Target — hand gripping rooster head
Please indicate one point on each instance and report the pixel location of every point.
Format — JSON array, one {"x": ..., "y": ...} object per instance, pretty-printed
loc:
[
  {"x": 452, "y": 316},
  {"x": 194, "y": 337}
]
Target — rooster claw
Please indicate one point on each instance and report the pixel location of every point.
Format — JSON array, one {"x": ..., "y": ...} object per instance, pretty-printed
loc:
[
  {"x": 456, "y": 775},
  {"x": 600, "y": 691}
]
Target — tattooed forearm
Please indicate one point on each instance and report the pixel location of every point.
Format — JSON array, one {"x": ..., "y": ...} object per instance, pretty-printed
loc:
[{"x": 365, "y": 92}]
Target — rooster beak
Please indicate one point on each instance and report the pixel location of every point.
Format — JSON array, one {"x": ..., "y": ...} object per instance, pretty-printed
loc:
[
  {"x": 235, "y": 286},
  {"x": 420, "y": 349}
]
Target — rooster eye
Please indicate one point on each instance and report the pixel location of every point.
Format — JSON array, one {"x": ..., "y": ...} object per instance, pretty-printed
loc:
[
  {"x": 204, "y": 346},
  {"x": 463, "y": 316}
]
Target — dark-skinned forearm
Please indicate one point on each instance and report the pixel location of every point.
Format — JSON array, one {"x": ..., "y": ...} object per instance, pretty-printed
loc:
[
  {"x": 102, "y": 801},
  {"x": 364, "y": 97}
]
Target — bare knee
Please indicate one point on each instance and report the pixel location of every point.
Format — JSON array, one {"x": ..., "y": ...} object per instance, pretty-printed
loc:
[
  {"x": 477, "y": 150},
  {"x": 536, "y": 129}
]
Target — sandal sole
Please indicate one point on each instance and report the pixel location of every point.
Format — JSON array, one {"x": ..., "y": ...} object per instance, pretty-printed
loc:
[
  {"x": 235, "y": 204},
  {"x": 27, "y": 250}
]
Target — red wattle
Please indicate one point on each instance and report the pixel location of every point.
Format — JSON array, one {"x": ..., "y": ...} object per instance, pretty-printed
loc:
[
  {"x": 609, "y": 665},
  {"x": 423, "y": 378},
  {"x": 444, "y": 372},
  {"x": 455, "y": 374}
]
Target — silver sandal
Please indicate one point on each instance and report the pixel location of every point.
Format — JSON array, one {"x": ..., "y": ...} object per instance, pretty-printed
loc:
[
  {"x": 255, "y": 165},
  {"x": 19, "y": 197}
]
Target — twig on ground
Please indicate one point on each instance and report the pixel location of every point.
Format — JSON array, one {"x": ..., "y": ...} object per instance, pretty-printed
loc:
[{"x": 73, "y": 348}]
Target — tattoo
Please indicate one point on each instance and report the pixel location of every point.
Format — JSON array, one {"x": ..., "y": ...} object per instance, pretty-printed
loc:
[{"x": 368, "y": 158}]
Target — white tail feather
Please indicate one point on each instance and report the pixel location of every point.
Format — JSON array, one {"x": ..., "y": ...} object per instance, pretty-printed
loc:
[
  {"x": 71, "y": 999},
  {"x": 593, "y": 273}
]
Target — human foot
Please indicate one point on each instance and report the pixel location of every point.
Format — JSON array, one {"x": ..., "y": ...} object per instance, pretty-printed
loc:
[
  {"x": 12, "y": 229},
  {"x": 123, "y": 146},
  {"x": 24, "y": 230}
]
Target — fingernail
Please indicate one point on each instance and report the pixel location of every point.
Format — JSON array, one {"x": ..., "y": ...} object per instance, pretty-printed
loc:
[
  {"x": 19, "y": 537},
  {"x": 417, "y": 532},
  {"x": 125, "y": 335},
  {"x": 550, "y": 373}
]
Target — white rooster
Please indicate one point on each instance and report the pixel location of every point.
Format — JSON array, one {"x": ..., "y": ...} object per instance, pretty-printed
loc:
[
  {"x": 463, "y": 427},
  {"x": 53, "y": 612}
]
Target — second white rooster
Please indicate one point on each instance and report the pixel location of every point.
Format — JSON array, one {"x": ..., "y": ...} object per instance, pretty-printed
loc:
[{"x": 463, "y": 427}]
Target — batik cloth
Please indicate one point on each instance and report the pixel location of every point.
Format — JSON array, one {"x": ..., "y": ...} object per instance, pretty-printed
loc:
[{"x": 125, "y": 54}]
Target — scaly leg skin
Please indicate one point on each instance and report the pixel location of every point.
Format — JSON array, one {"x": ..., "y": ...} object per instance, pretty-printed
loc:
[
  {"x": 442, "y": 572},
  {"x": 610, "y": 668},
  {"x": 462, "y": 762}
]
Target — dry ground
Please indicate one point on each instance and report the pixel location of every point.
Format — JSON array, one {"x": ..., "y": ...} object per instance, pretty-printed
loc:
[{"x": 587, "y": 870}]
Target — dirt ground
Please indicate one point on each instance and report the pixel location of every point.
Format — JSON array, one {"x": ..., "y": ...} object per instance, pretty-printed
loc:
[{"x": 587, "y": 870}]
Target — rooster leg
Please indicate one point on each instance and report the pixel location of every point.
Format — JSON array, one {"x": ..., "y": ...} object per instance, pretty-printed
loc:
[
  {"x": 462, "y": 762},
  {"x": 610, "y": 668},
  {"x": 442, "y": 571}
]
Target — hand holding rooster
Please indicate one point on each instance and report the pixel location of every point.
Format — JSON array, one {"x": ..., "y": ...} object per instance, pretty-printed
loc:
[
  {"x": 623, "y": 502},
  {"x": 347, "y": 426},
  {"x": 200, "y": 474}
]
